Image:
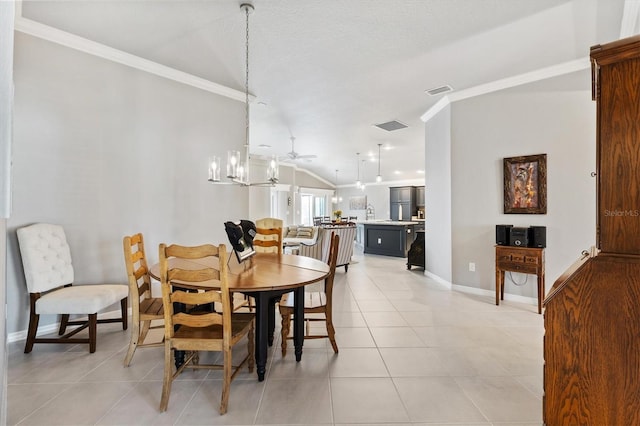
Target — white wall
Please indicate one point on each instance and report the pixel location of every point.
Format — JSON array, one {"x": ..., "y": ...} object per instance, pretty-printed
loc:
[
  {"x": 511, "y": 123},
  {"x": 438, "y": 244},
  {"x": 106, "y": 151},
  {"x": 6, "y": 118}
]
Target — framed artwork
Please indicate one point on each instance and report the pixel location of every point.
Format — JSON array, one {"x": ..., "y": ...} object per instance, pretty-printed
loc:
[
  {"x": 525, "y": 184},
  {"x": 359, "y": 202}
]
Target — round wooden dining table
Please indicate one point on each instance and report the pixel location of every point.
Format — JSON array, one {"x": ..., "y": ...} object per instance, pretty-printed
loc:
[{"x": 265, "y": 277}]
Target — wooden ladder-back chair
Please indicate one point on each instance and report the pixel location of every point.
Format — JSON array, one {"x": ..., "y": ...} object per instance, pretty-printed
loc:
[
  {"x": 48, "y": 272},
  {"x": 318, "y": 302},
  {"x": 201, "y": 329},
  {"x": 144, "y": 307},
  {"x": 268, "y": 237}
]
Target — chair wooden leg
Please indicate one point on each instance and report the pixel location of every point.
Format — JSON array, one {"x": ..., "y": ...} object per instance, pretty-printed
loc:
[
  {"x": 284, "y": 333},
  {"x": 146, "y": 326},
  {"x": 64, "y": 320},
  {"x": 226, "y": 382},
  {"x": 331, "y": 332},
  {"x": 33, "y": 329},
  {"x": 125, "y": 316},
  {"x": 133, "y": 343},
  {"x": 168, "y": 377},
  {"x": 93, "y": 331}
]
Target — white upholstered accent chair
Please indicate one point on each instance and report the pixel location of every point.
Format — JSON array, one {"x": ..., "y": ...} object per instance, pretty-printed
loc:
[{"x": 48, "y": 272}]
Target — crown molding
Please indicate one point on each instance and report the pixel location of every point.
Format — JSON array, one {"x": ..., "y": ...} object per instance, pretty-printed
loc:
[
  {"x": 506, "y": 83},
  {"x": 72, "y": 41}
]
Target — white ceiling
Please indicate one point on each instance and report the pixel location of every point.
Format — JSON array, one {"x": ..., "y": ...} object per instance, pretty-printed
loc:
[{"x": 328, "y": 70}]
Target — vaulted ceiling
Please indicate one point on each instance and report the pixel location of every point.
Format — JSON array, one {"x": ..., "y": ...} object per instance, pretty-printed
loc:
[{"x": 326, "y": 71}]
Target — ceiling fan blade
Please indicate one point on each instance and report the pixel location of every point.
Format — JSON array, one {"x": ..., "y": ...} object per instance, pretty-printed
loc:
[{"x": 307, "y": 156}]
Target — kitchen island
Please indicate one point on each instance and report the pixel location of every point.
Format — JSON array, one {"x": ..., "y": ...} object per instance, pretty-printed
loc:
[{"x": 388, "y": 237}]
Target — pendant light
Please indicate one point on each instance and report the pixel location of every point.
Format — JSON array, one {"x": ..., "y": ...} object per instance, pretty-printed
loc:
[
  {"x": 358, "y": 182},
  {"x": 379, "y": 177},
  {"x": 336, "y": 199},
  {"x": 237, "y": 164},
  {"x": 363, "y": 185}
]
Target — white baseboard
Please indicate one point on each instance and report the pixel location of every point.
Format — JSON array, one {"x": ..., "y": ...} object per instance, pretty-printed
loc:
[
  {"x": 438, "y": 279},
  {"x": 480, "y": 291},
  {"x": 484, "y": 292},
  {"x": 52, "y": 328}
]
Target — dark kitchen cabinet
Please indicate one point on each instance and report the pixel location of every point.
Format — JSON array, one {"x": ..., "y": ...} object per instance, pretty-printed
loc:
[
  {"x": 402, "y": 202},
  {"x": 420, "y": 196},
  {"x": 388, "y": 240},
  {"x": 403, "y": 194}
]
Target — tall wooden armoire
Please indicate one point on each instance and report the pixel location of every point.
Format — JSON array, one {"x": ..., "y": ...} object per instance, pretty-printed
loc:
[{"x": 592, "y": 315}]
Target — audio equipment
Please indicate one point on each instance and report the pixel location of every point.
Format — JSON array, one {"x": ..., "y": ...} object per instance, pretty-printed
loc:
[
  {"x": 538, "y": 236},
  {"x": 502, "y": 234},
  {"x": 519, "y": 237}
]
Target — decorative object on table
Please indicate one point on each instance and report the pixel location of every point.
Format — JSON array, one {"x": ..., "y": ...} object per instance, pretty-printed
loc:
[
  {"x": 248, "y": 230},
  {"x": 358, "y": 202},
  {"x": 237, "y": 165},
  {"x": 338, "y": 215},
  {"x": 242, "y": 249},
  {"x": 525, "y": 184}
]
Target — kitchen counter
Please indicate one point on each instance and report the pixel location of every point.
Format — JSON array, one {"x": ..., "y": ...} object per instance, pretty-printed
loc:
[
  {"x": 390, "y": 222},
  {"x": 388, "y": 238}
]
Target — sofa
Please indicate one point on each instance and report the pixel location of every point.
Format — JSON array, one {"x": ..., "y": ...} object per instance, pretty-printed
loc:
[
  {"x": 320, "y": 249},
  {"x": 294, "y": 235}
]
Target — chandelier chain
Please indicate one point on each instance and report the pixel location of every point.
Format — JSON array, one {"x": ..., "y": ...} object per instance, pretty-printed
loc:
[{"x": 246, "y": 80}]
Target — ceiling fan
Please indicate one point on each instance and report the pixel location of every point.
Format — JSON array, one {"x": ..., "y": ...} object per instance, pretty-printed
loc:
[{"x": 293, "y": 155}]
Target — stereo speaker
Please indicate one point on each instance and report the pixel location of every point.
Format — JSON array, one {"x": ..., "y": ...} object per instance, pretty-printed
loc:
[
  {"x": 538, "y": 236},
  {"x": 519, "y": 237},
  {"x": 502, "y": 234}
]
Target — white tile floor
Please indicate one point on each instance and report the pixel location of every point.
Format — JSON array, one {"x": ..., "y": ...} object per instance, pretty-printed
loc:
[{"x": 411, "y": 352}]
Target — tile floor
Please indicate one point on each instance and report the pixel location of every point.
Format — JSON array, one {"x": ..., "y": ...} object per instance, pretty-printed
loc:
[{"x": 411, "y": 353}]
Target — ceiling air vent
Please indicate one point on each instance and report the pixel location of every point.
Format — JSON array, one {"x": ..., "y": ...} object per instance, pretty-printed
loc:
[
  {"x": 439, "y": 90},
  {"x": 390, "y": 126}
]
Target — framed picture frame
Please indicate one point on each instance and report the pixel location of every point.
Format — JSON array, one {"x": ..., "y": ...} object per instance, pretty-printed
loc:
[
  {"x": 358, "y": 202},
  {"x": 525, "y": 184}
]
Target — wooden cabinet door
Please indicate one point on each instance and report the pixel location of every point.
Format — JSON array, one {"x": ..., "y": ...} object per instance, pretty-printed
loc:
[
  {"x": 619, "y": 158},
  {"x": 420, "y": 196}
]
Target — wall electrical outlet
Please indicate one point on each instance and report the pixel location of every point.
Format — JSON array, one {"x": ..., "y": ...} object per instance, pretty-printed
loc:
[{"x": 472, "y": 267}]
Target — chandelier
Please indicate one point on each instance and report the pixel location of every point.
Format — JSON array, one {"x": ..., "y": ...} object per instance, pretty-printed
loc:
[{"x": 237, "y": 167}]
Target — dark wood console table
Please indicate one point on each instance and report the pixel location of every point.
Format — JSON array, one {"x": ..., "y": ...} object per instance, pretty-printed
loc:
[{"x": 526, "y": 260}]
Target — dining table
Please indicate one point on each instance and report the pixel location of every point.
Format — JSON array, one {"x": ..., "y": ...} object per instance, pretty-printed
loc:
[{"x": 265, "y": 277}]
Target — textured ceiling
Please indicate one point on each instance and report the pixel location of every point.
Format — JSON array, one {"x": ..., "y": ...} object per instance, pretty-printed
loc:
[{"x": 328, "y": 70}]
